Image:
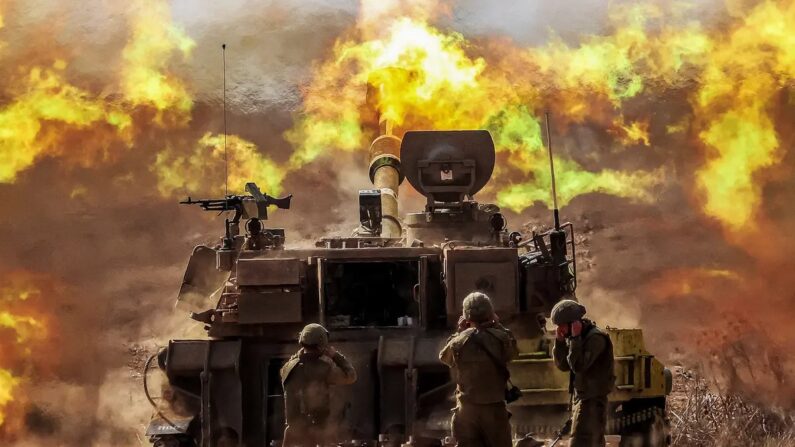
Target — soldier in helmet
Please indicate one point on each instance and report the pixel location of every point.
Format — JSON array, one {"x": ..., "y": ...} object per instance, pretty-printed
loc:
[
  {"x": 587, "y": 352},
  {"x": 478, "y": 355},
  {"x": 306, "y": 379}
]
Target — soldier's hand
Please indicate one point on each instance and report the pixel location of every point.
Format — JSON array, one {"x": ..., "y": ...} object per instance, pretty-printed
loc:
[
  {"x": 331, "y": 351},
  {"x": 576, "y": 328},
  {"x": 562, "y": 332},
  {"x": 463, "y": 323}
]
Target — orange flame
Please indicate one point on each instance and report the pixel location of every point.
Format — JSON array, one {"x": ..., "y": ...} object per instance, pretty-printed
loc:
[
  {"x": 634, "y": 132},
  {"x": 46, "y": 109},
  {"x": 45, "y": 106},
  {"x": 145, "y": 76},
  {"x": 179, "y": 173},
  {"x": 441, "y": 83},
  {"x": 446, "y": 81},
  {"x": 735, "y": 109},
  {"x": 26, "y": 331}
]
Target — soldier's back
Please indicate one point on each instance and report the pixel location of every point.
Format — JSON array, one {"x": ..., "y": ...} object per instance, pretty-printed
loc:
[
  {"x": 480, "y": 375},
  {"x": 306, "y": 388}
]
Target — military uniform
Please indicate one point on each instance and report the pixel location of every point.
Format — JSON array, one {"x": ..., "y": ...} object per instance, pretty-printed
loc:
[
  {"x": 589, "y": 357},
  {"x": 306, "y": 378},
  {"x": 481, "y": 417}
]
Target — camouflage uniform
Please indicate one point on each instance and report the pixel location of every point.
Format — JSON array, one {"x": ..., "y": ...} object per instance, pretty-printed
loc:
[
  {"x": 481, "y": 417},
  {"x": 589, "y": 357},
  {"x": 306, "y": 379}
]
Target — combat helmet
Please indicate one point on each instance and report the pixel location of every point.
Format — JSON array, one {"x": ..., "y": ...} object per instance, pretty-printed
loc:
[
  {"x": 478, "y": 307},
  {"x": 567, "y": 311},
  {"x": 313, "y": 334}
]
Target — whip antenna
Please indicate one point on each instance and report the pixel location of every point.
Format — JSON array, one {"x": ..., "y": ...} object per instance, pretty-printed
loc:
[
  {"x": 226, "y": 160},
  {"x": 552, "y": 171}
]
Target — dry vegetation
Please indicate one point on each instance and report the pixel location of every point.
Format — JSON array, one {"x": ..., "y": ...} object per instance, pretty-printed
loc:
[{"x": 700, "y": 416}]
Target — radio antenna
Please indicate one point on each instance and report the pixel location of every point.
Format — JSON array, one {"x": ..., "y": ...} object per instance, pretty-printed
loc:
[
  {"x": 555, "y": 212},
  {"x": 226, "y": 160},
  {"x": 228, "y": 225}
]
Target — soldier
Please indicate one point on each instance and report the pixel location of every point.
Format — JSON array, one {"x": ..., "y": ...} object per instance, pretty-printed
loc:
[
  {"x": 478, "y": 355},
  {"x": 306, "y": 379},
  {"x": 587, "y": 352}
]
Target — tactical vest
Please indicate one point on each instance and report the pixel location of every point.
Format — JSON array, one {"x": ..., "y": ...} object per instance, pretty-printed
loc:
[
  {"x": 600, "y": 378},
  {"x": 306, "y": 390}
]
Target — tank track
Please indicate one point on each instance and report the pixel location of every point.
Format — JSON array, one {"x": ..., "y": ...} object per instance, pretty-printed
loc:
[{"x": 621, "y": 423}]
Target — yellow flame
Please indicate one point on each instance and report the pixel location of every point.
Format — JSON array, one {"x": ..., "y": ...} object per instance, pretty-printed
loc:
[
  {"x": 22, "y": 329},
  {"x": 572, "y": 182},
  {"x": 634, "y": 132},
  {"x": 734, "y": 103},
  {"x": 45, "y": 108},
  {"x": 437, "y": 79},
  {"x": 147, "y": 56},
  {"x": 427, "y": 78},
  {"x": 678, "y": 127},
  {"x": 181, "y": 173},
  {"x": 436, "y": 73},
  {"x": 25, "y": 327},
  {"x": 8, "y": 385},
  {"x": 445, "y": 81},
  {"x": 615, "y": 67},
  {"x": 44, "y": 97}
]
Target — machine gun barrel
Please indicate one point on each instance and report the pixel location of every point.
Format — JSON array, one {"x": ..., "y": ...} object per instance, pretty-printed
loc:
[
  {"x": 238, "y": 204},
  {"x": 227, "y": 204}
]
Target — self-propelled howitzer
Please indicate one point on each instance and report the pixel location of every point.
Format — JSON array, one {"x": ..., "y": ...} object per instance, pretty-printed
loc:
[{"x": 390, "y": 295}]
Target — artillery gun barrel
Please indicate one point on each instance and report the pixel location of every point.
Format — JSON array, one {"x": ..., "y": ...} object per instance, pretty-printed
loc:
[
  {"x": 386, "y": 176},
  {"x": 385, "y": 171}
]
